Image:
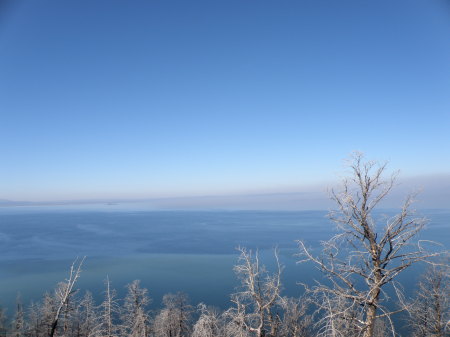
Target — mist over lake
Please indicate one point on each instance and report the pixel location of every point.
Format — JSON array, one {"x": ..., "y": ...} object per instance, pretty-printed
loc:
[{"x": 169, "y": 251}]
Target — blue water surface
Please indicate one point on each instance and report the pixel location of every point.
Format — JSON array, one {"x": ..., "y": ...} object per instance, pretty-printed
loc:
[{"x": 169, "y": 251}]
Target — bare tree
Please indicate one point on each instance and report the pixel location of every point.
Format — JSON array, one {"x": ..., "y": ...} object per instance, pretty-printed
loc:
[
  {"x": 255, "y": 303},
  {"x": 341, "y": 317},
  {"x": 134, "y": 316},
  {"x": 64, "y": 293},
  {"x": 109, "y": 312},
  {"x": 430, "y": 312},
  {"x": 19, "y": 328},
  {"x": 209, "y": 324},
  {"x": 235, "y": 325},
  {"x": 41, "y": 316},
  {"x": 364, "y": 257},
  {"x": 87, "y": 318},
  {"x": 34, "y": 320},
  {"x": 174, "y": 319},
  {"x": 3, "y": 327},
  {"x": 295, "y": 320}
]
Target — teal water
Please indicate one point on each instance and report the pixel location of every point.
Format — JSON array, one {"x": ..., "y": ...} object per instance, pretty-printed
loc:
[{"x": 168, "y": 251}]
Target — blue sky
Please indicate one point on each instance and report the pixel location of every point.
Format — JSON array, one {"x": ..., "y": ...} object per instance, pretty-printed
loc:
[{"x": 141, "y": 99}]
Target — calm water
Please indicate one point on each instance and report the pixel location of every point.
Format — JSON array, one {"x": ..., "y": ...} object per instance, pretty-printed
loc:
[{"x": 168, "y": 251}]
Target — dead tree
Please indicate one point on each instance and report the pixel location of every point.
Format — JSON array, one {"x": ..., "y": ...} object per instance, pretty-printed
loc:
[
  {"x": 64, "y": 293},
  {"x": 174, "y": 320},
  {"x": 258, "y": 297},
  {"x": 134, "y": 316},
  {"x": 209, "y": 324},
  {"x": 365, "y": 257},
  {"x": 41, "y": 316},
  {"x": 19, "y": 327},
  {"x": 430, "y": 311},
  {"x": 295, "y": 320},
  {"x": 88, "y": 320},
  {"x": 109, "y": 311}
]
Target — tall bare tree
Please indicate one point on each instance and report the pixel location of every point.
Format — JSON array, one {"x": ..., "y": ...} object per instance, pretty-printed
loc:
[
  {"x": 109, "y": 311},
  {"x": 209, "y": 324},
  {"x": 64, "y": 293},
  {"x": 41, "y": 316},
  {"x": 134, "y": 315},
  {"x": 258, "y": 296},
  {"x": 18, "y": 325},
  {"x": 174, "y": 320},
  {"x": 87, "y": 319},
  {"x": 430, "y": 312},
  {"x": 295, "y": 322},
  {"x": 367, "y": 254}
]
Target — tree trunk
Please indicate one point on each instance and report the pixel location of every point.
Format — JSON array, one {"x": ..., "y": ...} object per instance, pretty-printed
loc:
[{"x": 370, "y": 321}]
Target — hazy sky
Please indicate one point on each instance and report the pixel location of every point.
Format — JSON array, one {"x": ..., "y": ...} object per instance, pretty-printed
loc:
[{"x": 137, "y": 99}]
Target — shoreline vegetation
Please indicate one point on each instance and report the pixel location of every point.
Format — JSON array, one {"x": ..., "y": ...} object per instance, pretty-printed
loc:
[{"x": 360, "y": 294}]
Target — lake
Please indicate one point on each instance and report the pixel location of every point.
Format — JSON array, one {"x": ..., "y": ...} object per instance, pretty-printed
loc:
[{"x": 169, "y": 251}]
